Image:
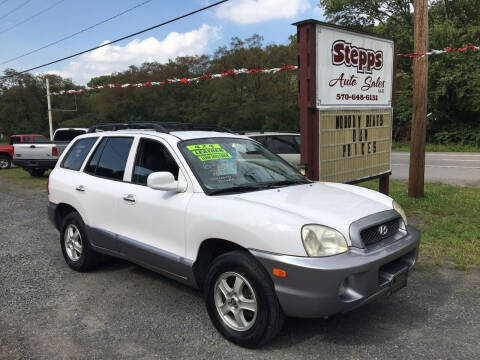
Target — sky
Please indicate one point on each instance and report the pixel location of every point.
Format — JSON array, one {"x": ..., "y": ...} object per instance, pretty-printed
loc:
[{"x": 196, "y": 35}]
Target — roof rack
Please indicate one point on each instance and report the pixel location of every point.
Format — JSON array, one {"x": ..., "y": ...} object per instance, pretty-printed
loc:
[
  {"x": 178, "y": 126},
  {"x": 163, "y": 127},
  {"x": 243, "y": 132},
  {"x": 128, "y": 125}
]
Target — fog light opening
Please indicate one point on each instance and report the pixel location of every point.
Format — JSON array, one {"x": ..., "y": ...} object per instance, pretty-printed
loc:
[{"x": 343, "y": 288}]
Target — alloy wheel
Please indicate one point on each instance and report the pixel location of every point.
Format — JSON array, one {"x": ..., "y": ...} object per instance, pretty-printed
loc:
[
  {"x": 4, "y": 163},
  {"x": 235, "y": 301},
  {"x": 73, "y": 242}
]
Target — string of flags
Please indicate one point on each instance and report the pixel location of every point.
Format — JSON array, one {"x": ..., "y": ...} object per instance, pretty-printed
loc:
[
  {"x": 437, "y": 52},
  {"x": 182, "y": 80},
  {"x": 245, "y": 71}
]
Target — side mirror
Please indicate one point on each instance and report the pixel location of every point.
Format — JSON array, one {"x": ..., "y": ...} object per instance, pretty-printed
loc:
[{"x": 165, "y": 181}]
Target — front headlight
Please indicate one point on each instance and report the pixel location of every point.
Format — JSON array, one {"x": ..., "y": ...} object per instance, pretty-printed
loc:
[
  {"x": 399, "y": 209},
  {"x": 321, "y": 240}
]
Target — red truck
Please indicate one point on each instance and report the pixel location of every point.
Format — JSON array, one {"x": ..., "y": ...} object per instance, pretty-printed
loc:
[{"x": 6, "y": 151}]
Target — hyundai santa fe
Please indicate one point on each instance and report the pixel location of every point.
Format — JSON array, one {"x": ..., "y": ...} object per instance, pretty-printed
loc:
[{"x": 222, "y": 213}]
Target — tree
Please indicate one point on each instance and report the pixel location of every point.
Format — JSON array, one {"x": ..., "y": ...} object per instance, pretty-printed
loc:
[
  {"x": 454, "y": 78},
  {"x": 368, "y": 13}
]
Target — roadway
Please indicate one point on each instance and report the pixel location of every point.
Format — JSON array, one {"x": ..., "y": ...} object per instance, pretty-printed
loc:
[{"x": 450, "y": 168}]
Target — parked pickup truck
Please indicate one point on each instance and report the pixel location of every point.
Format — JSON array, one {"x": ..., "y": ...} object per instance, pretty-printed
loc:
[
  {"x": 222, "y": 213},
  {"x": 6, "y": 151},
  {"x": 37, "y": 158}
]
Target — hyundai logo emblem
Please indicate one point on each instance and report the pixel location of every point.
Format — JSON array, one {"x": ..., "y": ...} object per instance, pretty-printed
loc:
[{"x": 383, "y": 230}]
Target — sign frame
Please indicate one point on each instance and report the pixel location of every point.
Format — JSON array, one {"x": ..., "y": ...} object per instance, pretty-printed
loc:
[{"x": 389, "y": 42}]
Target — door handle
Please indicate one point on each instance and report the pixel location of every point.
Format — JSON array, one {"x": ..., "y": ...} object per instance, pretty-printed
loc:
[
  {"x": 80, "y": 188},
  {"x": 32, "y": 146},
  {"x": 129, "y": 198}
]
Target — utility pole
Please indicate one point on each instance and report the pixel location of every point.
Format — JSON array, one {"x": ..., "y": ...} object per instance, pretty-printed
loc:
[
  {"x": 49, "y": 109},
  {"x": 419, "y": 112}
]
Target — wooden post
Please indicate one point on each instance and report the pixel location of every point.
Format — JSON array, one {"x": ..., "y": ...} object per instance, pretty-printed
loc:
[
  {"x": 419, "y": 111},
  {"x": 384, "y": 184}
]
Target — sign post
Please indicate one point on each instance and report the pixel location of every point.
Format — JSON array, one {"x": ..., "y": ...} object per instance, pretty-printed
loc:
[{"x": 345, "y": 95}]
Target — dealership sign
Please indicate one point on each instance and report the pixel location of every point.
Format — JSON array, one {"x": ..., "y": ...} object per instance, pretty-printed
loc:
[
  {"x": 345, "y": 97},
  {"x": 353, "y": 70}
]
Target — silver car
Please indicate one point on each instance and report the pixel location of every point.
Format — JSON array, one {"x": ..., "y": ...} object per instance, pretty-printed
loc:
[{"x": 284, "y": 144}]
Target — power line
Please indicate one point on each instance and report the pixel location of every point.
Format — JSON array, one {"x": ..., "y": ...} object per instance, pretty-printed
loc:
[
  {"x": 120, "y": 39},
  {"x": 75, "y": 34},
  {"x": 31, "y": 17},
  {"x": 12, "y": 11}
]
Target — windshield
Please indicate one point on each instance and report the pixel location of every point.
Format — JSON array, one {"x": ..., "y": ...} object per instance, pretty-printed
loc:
[{"x": 228, "y": 165}]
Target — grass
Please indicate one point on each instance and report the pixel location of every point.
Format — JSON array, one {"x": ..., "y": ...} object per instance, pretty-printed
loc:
[
  {"x": 449, "y": 219},
  {"x": 20, "y": 177},
  {"x": 397, "y": 146}
]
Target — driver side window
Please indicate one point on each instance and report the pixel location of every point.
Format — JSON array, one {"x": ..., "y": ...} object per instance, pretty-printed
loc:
[{"x": 152, "y": 156}]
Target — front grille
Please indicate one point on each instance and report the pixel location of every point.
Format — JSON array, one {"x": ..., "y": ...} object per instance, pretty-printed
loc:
[{"x": 372, "y": 234}]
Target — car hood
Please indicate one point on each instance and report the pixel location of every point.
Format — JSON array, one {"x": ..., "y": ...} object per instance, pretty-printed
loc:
[{"x": 330, "y": 204}]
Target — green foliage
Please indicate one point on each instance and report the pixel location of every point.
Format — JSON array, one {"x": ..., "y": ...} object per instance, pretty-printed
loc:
[
  {"x": 465, "y": 136},
  {"x": 239, "y": 102},
  {"x": 454, "y": 78},
  {"x": 367, "y": 13}
]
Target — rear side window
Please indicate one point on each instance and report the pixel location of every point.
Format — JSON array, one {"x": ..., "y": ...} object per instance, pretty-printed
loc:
[
  {"x": 39, "y": 139},
  {"x": 67, "y": 135},
  {"x": 284, "y": 144},
  {"x": 261, "y": 139},
  {"x": 77, "y": 153},
  {"x": 297, "y": 140},
  {"x": 110, "y": 158}
]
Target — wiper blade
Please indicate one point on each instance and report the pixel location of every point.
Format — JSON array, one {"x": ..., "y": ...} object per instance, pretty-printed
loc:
[
  {"x": 237, "y": 189},
  {"x": 289, "y": 182},
  {"x": 257, "y": 187}
]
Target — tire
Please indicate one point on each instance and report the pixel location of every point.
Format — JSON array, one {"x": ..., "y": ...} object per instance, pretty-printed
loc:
[
  {"x": 79, "y": 255},
  {"x": 258, "y": 327},
  {"x": 5, "y": 162},
  {"x": 36, "y": 172}
]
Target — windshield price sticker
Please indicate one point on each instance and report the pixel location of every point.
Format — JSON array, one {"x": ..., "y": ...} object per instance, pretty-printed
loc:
[{"x": 207, "y": 152}]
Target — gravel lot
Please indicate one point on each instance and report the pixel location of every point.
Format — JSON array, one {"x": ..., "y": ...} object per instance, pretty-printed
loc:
[{"x": 121, "y": 310}]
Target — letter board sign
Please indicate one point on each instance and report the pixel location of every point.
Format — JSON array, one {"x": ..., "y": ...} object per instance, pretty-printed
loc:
[
  {"x": 353, "y": 70},
  {"x": 354, "y": 144}
]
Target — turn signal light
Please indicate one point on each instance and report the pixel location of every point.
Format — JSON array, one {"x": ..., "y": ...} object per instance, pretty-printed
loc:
[
  {"x": 54, "y": 151},
  {"x": 279, "y": 272}
]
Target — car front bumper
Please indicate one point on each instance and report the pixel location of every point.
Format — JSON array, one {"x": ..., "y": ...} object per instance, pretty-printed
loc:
[{"x": 317, "y": 287}]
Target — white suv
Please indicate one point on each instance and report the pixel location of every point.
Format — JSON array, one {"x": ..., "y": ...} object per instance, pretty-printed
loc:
[{"x": 222, "y": 213}]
